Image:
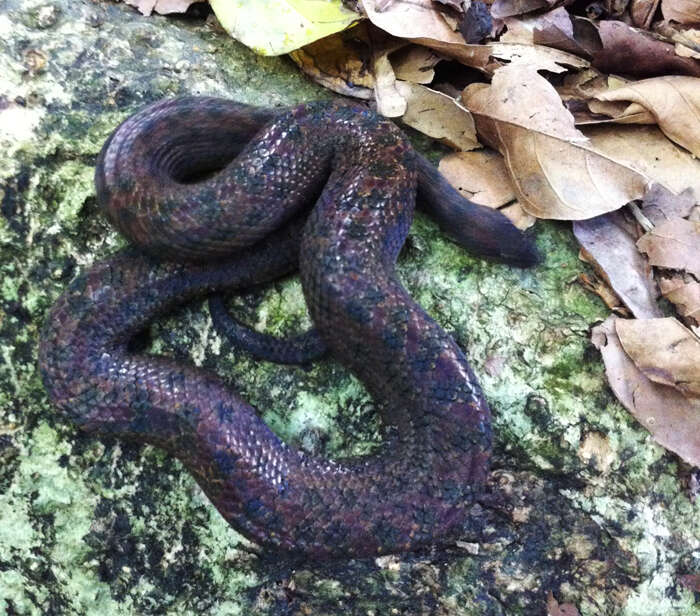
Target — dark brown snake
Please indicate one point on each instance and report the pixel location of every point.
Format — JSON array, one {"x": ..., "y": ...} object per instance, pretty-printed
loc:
[{"x": 217, "y": 195}]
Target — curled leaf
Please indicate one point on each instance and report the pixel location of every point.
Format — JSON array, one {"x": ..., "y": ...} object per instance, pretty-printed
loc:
[
  {"x": 556, "y": 171},
  {"x": 674, "y": 102},
  {"x": 664, "y": 350},
  {"x": 674, "y": 244},
  {"x": 672, "y": 419},
  {"x": 615, "y": 256}
]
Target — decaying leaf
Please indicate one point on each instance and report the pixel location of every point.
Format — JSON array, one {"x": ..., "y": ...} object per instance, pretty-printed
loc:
[
  {"x": 674, "y": 244},
  {"x": 684, "y": 292},
  {"x": 556, "y": 171},
  {"x": 672, "y": 419},
  {"x": 421, "y": 22},
  {"x": 665, "y": 350},
  {"x": 390, "y": 102},
  {"x": 615, "y": 256},
  {"x": 438, "y": 116},
  {"x": 660, "y": 204},
  {"x": 602, "y": 289},
  {"x": 275, "y": 27},
  {"x": 340, "y": 62},
  {"x": 642, "y": 12},
  {"x": 556, "y": 28},
  {"x": 414, "y": 63},
  {"x": 682, "y": 11},
  {"x": 501, "y": 9},
  {"x": 673, "y": 100},
  {"x": 647, "y": 149},
  {"x": 482, "y": 177},
  {"x": 629, "y": 51}
]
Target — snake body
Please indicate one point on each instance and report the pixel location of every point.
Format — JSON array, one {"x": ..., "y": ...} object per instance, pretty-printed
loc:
[{"x": 216, "y": 195}]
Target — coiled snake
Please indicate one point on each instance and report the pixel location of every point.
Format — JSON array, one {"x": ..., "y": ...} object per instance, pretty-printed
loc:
[{"x": 218, "y": 195}]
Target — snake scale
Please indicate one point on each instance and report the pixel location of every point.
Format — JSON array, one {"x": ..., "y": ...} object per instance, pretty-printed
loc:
[{"x": 215, "y": 195}]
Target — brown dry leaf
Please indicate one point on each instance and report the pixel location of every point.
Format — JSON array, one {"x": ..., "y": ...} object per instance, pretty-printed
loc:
[
  {"x": 554, "y": 608},
  {"x": 421, "y": 22},
  {"x": 537, "y": 57},
  {"x": 480, "y": 176},
  {"x": 684, "y": 292},
  {"x": 501, "y": 9},
  {"x": 556, "y": 28},
  {"x": 647, "y": 149},
  {"x": 682, "y": 11},
  {"x": 483, "y": 178},
  {"x": 615, "y": 256},
  {"x": 636, "y": 52},
  {"x": 660, "y": 204},
  {"x": 673, "y": 100},
  {"x": 642, "y": 12},
  {"x": 665, "y": 350},
  {"x": 674, "y": 244},
  {"x": 415, "y": 63},
  {"x": 602, "y": 289},
  {"x": 621, "y": 113},
  {"x": 438, "y": 116},
  {"x": 672, "y": 419},
  {"x": 162, "y": 7},
  {"x": 390, "y": 102},
  {"x": 340, "y": 62},
  {"x": 556, "y": 171}
]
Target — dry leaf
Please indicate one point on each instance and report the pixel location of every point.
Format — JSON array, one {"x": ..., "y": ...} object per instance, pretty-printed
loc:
[
  {"x": 390, "y": 102},
  {"x": 684, "y": 292},
  {"x": 672, "y": 419},
  {"x": 537, "y": 57},
  {"x": 635, "y": 52},
  {"x": 414, "y": 63},
  {"x": 556, "y": 28},
  {"x": 665, "y": 350},
  {"x": 647, "y": 149},
  {"x": 660, "y": 204},
  {"x": 501, "y": 9},
  {"x": 642, "y": 12},
  {"x": 483, "y": 178},
  {"x": 674, "y": 102},
  {"x": 620, "y": 112},
  {"x": 674, "y": 244},
  {"x": 602, "y": 289},
  {"x": 617, "y": 259},
  {"x": 340, "y": 62},
  {"x": 682, "y": 11},
  {"x": 480, "y": 176},
  {"x": 556, "y": 171},
  {"x": 438, "y": 116},
  {"x": 421, "y": 22}
]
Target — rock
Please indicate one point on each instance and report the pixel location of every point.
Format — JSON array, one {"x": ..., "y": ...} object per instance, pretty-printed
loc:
[{"x": 106, "y": 527}]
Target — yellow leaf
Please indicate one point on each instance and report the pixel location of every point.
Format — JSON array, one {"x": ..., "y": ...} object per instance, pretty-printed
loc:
[{"x": 275, "y": 27}]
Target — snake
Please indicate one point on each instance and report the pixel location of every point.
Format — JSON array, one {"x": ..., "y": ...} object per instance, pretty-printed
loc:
[{"x": 218, "y": 196}]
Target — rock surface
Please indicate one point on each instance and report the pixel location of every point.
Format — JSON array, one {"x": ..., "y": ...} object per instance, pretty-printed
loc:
[{"x": 89, "y": 527}]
